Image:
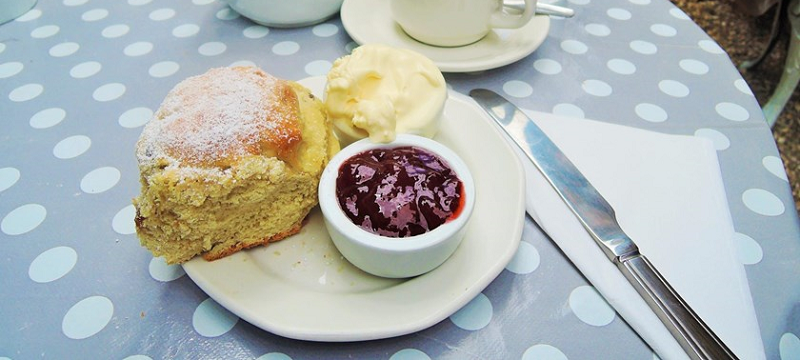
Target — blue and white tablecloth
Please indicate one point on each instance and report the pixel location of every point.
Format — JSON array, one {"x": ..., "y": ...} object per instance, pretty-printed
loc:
[{"x": 79, "y": 79}]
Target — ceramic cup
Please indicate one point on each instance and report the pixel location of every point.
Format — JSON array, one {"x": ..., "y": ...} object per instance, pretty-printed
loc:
[
  {"x": 12, "y": 9},
  {"x": 451, "y": 23},
  {"x": 285, "y": 13}
]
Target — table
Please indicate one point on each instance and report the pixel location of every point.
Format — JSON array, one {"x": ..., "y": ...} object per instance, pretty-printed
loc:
[{"x": 80, "y": 78}]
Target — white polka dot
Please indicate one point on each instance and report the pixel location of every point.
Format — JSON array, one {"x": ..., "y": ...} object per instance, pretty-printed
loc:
[
  {"x": 138, "y": 357},
  {"x": 410, "y": 354},
  {"x": 286, "y": 48},
  {"x": 732, "y": 111},
  {"x": 518, "y": 89},
  {"x": 8, "y": 177},
  {"x": 100, "y": 180},
  {"x": 673, "y": 88},
  {"x": 547, "y": 66},
  {"x": 163, "y": 69},
  {"x": 678, "y": 14},
  {"x": 543, "y": 352},
  {"x": 242, "y": 63},
  {"x": 138, "y": 2},
  {"x": 75, "y": 2},
  {"x": 52, "y": 264},
  {"x": 274, "y": 356},
  {"x": 643, "y": 47},
  {"x": 621, "y": 66},
  {"x": 115, "y": 31},
  {"x": 47, "y": 118},
  {"x": 720, "y": 141},
  {"x": 596, "y": 87},
  {"x": 651, "y": 112},
  {"x": 574, "y": 47},
  {"x": 640, "y": 2},
  {"x": 227, "y": 14},
  {"x": 569, "y": 110},
  {"x": 350, "y": 46},
  {"x": 763, "y": 202},
  {"x": 94, "y": 15},
  {"x": 23, "y": 219},
  {"x": 2, "y": 48},
  {"x": 325, "y": 30},
  {"x": 45, "y": 31},
  {"x": 619, "y": 14},
  {"x": 789, "y": 347},
  {"x": 64, "y": 49},
  {"x": 211, "y": 320},
  {"x": 693, "y": 66},
  {"x": 162, "y": 14},
  {"x": 135, "y": 117},
  {"x": 85, "y": 69},
  {"x": 663, "y": 30},
  {"x": 202, "y": 2},
  {"x": 742, "y": 86},
  {"x": 10, "y": 69},
  {"x": 590, "y": 307},
  {"x": 26, "y": 92},
  {"x": 109, "y": 92},
  {"x": 748, "y": 250},
  {"x": 774, "y": 165},
  {"x": 525, "y": 260},
  {"x": 597, "y": 29},
  {"x": 138, "y": 48},
  {"x": 32, "y": 14},
  {"x": 185, "y": 30},
  {"x": 710, "y": 46},
  {"x": 122, "y": 222},
  {"x": 87, "y": 317},
  {"x": 160, "y": 271},
  {"x": 255, "y": 32},
  {"x": 212, "y": 48},
  {"x": 318, "y": 67},
  {"x": 72, "y": 147},
  {"x": 475, "y": 315}
]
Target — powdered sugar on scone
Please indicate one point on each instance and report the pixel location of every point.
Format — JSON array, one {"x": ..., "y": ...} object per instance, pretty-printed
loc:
[{"x": 233, "y": 112}]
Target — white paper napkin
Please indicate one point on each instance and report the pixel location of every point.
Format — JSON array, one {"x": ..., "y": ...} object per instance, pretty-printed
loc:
[{"x": 669, "y": 198}]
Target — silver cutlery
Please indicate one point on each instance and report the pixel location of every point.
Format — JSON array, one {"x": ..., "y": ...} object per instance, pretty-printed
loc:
[
  {"x": 599, "y": 219},
  {"x": 544, "y": 9}
]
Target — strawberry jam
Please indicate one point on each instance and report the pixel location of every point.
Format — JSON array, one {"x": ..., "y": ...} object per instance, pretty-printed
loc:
[{"x": 398, "y": 192}]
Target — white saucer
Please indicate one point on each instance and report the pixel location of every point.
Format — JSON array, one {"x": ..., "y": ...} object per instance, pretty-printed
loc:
[
  {"x": 302, "y": 288},
  {"x": 370, "y": 21}
]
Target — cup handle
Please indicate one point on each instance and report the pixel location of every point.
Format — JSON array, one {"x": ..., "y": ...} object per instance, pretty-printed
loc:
[{"x": 504, "y": 20}]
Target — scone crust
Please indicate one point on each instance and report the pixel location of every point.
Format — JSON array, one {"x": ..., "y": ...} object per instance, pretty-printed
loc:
[{"x": 238, "y": 196}]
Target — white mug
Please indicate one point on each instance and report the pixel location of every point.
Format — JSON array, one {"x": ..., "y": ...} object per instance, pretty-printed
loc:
[{"x": 456, "y": 22}]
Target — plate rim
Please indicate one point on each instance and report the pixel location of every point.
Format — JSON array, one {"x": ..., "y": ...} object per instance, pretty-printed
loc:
[
  {"x": 345, "y": 334},
  {"x": 351, "y": 7}
]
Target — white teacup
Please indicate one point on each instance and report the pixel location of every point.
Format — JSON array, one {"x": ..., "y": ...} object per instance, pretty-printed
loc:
[
  {"x": 285, "y": 13},
  {"x": 456, "y": 22},
  {"x": 12, "y": 9}
]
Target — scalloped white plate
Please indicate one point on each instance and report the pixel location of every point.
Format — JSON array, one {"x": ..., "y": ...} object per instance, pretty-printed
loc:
[
  {"x": 370, "y": 21},
  {"x": 302, "y": 288}
]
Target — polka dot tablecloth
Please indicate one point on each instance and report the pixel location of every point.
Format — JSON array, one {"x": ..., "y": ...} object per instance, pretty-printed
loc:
[{"x": 79, "y": 79}]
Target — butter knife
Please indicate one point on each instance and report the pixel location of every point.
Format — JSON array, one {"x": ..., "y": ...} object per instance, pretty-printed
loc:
[{"x": 599, "y": 219}]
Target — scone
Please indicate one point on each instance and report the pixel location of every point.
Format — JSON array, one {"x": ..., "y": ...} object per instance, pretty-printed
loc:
[{"x": 231, "y": 160}]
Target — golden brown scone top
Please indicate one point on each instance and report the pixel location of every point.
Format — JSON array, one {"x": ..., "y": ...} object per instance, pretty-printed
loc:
[{"x": 220, "y": 116}]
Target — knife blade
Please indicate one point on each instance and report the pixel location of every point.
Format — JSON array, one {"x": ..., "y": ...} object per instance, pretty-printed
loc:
[{"x": 599, "y": 219}]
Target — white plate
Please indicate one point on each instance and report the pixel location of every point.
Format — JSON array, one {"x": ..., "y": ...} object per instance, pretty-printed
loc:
[
  {"x": 302, "y": 288},
  {"x": 370, "y": 21}
]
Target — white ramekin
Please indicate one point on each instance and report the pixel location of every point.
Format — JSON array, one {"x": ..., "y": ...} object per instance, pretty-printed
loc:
[{"x": 387, "y": 256}]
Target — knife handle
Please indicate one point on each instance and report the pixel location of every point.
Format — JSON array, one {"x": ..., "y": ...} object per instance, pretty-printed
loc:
[{"x": 694, "y": 336}]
